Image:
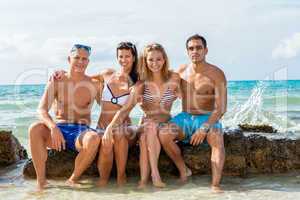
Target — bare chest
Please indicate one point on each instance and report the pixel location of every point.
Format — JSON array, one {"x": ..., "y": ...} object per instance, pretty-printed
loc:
[
  {"x": 76, "y": 96},
  {"x": 199, "y": 85}
]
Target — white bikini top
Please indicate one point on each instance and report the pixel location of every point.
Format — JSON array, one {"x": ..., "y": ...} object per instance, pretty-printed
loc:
[{"x": 107, "y": 95}]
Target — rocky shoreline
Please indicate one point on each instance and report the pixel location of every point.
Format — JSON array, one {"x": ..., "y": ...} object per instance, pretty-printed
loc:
[
  {"x": 11, "y": 151},
  {"x": 246, "y": 153}
]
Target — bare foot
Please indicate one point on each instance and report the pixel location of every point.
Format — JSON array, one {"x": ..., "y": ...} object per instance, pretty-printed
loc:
[
  {"x": 184, "y": 176},
  {"x": 188, "y": 172},
  {"x": 41, "y": 185},
  {"x": 183, "y": 179},
  {"x": 216, "y": 189},
  {"x": 102, "y": 183},
  {"x": 159, "y": 184},
  {"x": 72, "y": 183},
  {"x": 121, "y": 181},
  {"x": 142, "y": 184}
]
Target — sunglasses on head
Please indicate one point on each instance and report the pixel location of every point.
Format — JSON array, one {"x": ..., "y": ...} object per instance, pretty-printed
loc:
[
  {"x": 81, "y": 46},
  {"x": 155, "y": 45}
]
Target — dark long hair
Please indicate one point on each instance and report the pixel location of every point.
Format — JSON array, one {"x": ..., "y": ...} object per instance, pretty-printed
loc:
[{"x": 129, "y": 46}]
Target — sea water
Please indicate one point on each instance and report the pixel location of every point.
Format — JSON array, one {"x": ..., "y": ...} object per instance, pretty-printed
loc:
[{"x": 276, "y": 103}]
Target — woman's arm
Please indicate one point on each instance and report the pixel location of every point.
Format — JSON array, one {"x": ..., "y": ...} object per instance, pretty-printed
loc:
[{"x": 122, "y": 114}]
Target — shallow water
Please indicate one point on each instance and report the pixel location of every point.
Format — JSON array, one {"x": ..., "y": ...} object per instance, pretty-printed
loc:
[{"x": 282, "y": 187}]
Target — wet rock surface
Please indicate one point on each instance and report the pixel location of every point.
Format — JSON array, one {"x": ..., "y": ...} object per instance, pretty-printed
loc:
[
  {"x": 11, "y": 150},
  {"x": 257, "y": 128},
  {"x": 251, "y": 154}
]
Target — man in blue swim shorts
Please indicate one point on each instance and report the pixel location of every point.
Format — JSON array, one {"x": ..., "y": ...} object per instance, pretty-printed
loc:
[
  {"x": 73, "y": 97},
  {"x": 204, "y": 101}
]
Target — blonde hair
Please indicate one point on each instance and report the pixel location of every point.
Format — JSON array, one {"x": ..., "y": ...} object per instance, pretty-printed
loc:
[{"x": 143, "y": 70}]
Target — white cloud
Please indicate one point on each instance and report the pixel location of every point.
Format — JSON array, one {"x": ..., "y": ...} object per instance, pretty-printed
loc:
[
  {"x": 288, "y": 48},
  {"x": 40, "y": 33}
]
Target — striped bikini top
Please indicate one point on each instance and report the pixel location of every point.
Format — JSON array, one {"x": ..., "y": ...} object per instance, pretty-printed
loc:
[{"x": 167, "y": 97}]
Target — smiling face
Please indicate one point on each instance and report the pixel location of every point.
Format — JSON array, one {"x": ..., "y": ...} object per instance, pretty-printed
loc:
[
  {"x": 155, "y": 61},
  {"x": 79, "y": 60},
  {"x": 125, "y": 59},
  {"x": 196, "y": 51}
]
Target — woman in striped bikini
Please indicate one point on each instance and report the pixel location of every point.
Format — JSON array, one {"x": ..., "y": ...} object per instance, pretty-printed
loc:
[{"x": 156, "y": 91}]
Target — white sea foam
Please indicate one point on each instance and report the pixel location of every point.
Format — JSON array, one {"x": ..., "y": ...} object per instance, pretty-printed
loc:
[{"x": 252, "y": 111}]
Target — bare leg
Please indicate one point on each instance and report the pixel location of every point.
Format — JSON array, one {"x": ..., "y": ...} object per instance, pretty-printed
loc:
[
  {"x": 104, "y": 164},
  {"x": 87, "y": 152},
  {"x": 39, "y": 139},
  {"x": 154, "y": 148},
  {"x": 216, "y": 142},
  {"x": 144, "y": 162},
  {"x": 121, "y": 154},
  {"x": 167, "y": 139}
]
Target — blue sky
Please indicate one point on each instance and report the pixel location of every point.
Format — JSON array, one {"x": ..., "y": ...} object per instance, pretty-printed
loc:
[{"x": 247, "y": 39}]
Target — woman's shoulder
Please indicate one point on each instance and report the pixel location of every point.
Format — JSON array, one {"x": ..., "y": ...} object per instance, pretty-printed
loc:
[{"x": 139, "y": 84}]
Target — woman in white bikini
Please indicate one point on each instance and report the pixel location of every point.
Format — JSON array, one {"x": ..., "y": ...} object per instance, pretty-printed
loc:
[
  {"x": 156, "y": 91},
  {"x": 115, "y": 93}
]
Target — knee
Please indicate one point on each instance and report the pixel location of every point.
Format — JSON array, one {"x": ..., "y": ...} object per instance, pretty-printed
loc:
[
  {"x": 119, "y": 136},
  {"x": 35, "y": 129},
  {"x": 150, "y": 128},
  {"x": 92, "y": 139},
  {"x": 216, "y": 140},
  {"x": 142, "y": 139},
  {"x": 164, "y": 136},
  {"x": 106, "y": 149}
]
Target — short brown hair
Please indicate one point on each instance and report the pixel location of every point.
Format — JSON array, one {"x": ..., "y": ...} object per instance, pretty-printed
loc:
[{"x": 196, "y": 37}]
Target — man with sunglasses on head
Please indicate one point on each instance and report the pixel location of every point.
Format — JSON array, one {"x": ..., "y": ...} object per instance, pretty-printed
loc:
[
  {"x": 204, "y": 102},
  {"x": 73, "y": 97}
]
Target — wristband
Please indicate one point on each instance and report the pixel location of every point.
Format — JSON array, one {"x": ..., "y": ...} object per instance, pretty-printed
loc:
[{"x": 205, "y": 128}]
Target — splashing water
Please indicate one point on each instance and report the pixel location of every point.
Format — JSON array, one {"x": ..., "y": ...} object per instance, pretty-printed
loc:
[{"x": 253, "y": 112}]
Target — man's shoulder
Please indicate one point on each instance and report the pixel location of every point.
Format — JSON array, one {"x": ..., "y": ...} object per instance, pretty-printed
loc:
[
  {"x": 216, "y": 73},
  {"x": 63, "y": 80},
  {"x": 96, "y": 78},
  {"x": 97, "y": 81},
  {"x": 182, "y": 68},
  {"x": 174, "y": 76}
]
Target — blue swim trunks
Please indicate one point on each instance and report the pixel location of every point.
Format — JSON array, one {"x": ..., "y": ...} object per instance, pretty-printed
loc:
[
  {"x": 189, "y": 123},
  {"x": 71, "y": 131}
]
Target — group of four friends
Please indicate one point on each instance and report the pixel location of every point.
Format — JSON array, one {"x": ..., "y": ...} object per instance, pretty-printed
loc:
[{"x": 145, "y": 80}]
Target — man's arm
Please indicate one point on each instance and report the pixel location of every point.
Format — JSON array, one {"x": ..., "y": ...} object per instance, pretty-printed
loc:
[
  {"x": 50, "y": 94},
  {"x": 45, "y": 104},
  {"x": 175, "y": 82},
  {"x": 220, "y": 107}
]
